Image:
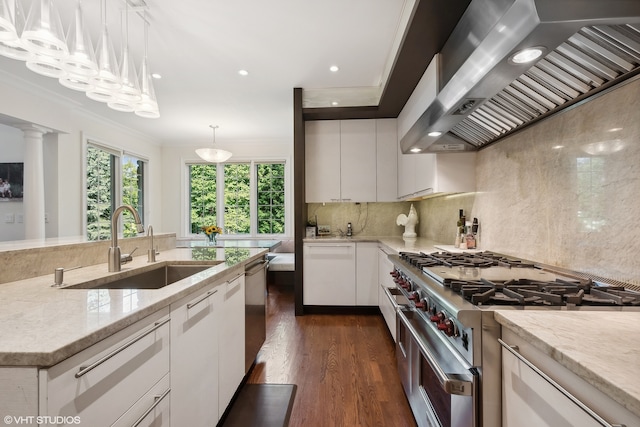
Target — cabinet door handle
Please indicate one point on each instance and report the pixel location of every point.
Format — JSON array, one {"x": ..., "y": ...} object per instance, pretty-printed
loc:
[
  {"x": 202, "y": 298},
  {"x": 157, "y": 401},
  {"x": 84, "y": 369},
  {"x": 585, "y": 408},
  {"x": 233, "y": 280}
]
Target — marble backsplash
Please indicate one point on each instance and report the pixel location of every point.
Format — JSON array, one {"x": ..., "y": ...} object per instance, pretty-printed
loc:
[{"x": 367, "y": 219}]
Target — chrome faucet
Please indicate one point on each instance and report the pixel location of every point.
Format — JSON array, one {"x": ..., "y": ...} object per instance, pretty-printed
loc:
[
  {"x": 151, "y": 252},
  {"x": 115, "y": 258}
]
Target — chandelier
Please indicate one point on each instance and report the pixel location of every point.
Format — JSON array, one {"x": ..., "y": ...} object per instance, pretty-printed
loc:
[{"x": 40, "y": 42}]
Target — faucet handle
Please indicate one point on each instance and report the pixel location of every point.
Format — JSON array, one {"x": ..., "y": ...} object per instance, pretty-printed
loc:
[{"x": 127, "y": 257}]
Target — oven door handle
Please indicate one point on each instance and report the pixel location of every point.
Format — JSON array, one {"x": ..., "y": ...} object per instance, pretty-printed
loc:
[{"x": 449, "y": 385}]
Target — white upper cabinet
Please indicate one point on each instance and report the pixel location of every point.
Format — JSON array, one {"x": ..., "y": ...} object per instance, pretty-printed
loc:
[
  {"x": 424, "y": 174},
  {"x": 322, "y": 161},
  {"x": 358, "y": 160},
  {"x": 387, "y": 164},
  {"x": 351, "y": 160}
]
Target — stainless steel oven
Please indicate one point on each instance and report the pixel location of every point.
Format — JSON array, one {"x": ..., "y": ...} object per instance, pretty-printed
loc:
[{"x": 441, "y": 387}]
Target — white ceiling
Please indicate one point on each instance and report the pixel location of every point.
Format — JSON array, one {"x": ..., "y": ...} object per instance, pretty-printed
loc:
[{"x": 199, "y": 46}]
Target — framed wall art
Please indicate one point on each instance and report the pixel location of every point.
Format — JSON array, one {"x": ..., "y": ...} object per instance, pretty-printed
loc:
[{"x": 11, "y": 181}]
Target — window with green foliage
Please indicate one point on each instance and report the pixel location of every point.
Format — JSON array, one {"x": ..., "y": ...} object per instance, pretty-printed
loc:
[
  {"x": 237, "y": 198},
  {"x": 109, "y": 184},
  {"x": 101, "y": 174},
  {"x": 250, "y": 199},
  {"x": 270, "y": 195},
  {"x": 202, "y": 196}
]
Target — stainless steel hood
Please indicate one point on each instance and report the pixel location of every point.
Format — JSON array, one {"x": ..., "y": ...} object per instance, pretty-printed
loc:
[{"x": 483, "y": 96}]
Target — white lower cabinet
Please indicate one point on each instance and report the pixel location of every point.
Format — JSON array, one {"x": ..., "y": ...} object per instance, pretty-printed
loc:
[
  {"x": 151, "y": 410},
  {"x": 195, "y": 324},
  {"x": 103, "y": 382},
  {"x": 367, "y": 273},
  {"x": 538, "y": 391},
  {"x": 231, "y": 340},
  {"x": 329, "y": 276},
  {"x": 385, "y": 280}
]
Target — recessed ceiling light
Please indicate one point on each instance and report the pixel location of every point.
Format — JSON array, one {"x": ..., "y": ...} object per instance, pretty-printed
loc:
[
  {"x": 243, "y": 72},
  {"x": 334, "y": 103},
  {"x": 434, "y": 133},
  {"x": 416, "y": 150},
  {"x": 527, "y": 55},
  {"x": 557, "y": 147},
  {"x": 334, "y": 68},
  {"x": 156, "y": 76}
]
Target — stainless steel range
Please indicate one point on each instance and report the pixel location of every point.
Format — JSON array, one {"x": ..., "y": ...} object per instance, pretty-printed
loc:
[{"x": 448, "y": 353}]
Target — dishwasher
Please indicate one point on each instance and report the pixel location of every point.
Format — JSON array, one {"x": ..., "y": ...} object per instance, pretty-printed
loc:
[{"x": 255, "y": 309}]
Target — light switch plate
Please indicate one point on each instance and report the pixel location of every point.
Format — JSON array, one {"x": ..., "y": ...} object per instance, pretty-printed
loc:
[
  {"x": 19, "y": 218},
  {"x": 8, "y": 218}
]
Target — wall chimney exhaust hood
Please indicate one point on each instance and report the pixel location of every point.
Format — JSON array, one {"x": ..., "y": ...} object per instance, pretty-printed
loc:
[{"x": 486, "y": 92}]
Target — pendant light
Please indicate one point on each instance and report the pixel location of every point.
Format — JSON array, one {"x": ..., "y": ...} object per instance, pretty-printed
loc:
[
  {"x": 43, "y": 33},
  {"x": 129, "y": 94},
  {"x": 80, "y": 65},
  {"x": 13, "y": 47},
  {"x": 213, "y": 155},
  {"x": 8, "y": 31},
  {"x": 106, "y": 83},
  {"x": 148, "y": 105}
]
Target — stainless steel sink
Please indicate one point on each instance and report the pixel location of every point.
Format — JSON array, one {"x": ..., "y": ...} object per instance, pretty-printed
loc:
[{"x": 154, "y": 278}]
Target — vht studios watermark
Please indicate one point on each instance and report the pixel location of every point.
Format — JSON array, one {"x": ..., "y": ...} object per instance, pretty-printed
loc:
[{"x": 41, "y": 419}]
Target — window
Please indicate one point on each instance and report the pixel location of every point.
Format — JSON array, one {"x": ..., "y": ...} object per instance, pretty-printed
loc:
[
  {"x": 250, "y": 199},
  {"x": 202, "y": 196},
  {"x": 237, "y": 199},
  {"x": 112, "y": 178},
  {"x": 270, "y": 196}
]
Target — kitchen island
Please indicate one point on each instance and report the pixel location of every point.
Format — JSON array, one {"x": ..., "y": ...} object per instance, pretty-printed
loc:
[
  {"x": 88, "y": 352},
  {"x": 595, "y": 355}
]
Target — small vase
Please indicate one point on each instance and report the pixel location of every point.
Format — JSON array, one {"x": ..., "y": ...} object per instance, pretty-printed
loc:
[{"x": 212, "y": 239}]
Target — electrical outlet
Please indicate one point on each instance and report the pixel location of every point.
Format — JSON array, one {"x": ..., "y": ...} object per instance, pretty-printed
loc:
[
  {"x": 19, "y": 218},
  {"x": 8, "y": 218},
  {"x": 46, "y": 218}
]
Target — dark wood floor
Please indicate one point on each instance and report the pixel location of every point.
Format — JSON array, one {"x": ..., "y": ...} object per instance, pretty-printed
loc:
[{"x": 344, "y": 366}]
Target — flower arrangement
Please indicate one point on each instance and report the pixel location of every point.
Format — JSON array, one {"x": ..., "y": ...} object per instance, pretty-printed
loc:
[{"x": 211, "y": 231}]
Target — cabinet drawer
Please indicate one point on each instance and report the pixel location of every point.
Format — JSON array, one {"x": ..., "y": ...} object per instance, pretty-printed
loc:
[
  {"x": 101, "y": 383},
  {"x": 153, "y": 409}
]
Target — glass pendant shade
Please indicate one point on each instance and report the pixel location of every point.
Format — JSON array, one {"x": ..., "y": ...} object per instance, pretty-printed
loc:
[
  {"x": 8, "y": 31},
  {"x": 105, "y": 85},
  {"x": 43, "y": 33},
  {"x": 15, "y": 48},
  {"x": 211, "y": 154},
  {"x": 148, "y": 105},
  {"x": 45, "y": 65},
  {"x": 129, "y": 94},
  {"x": 75, "y": 81},
  {"x": 81, "y": 60}
]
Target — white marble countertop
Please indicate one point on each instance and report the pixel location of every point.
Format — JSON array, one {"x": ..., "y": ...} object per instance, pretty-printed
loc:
[
  {"x": 603, "y": 348},
  {"x": 394, "y": 244},
  {"x": 41, "y": 325}
]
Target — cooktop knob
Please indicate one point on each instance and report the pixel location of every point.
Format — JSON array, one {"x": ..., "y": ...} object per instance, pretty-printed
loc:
[
  {"x": 437, "y": 318},
  {"x": 447, "y": 327},
  {"x": 422, "y": 304},
  {"x": 414, "y": 296}
]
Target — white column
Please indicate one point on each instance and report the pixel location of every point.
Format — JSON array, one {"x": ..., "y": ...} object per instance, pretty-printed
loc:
[{"x": 33, "y": 195}]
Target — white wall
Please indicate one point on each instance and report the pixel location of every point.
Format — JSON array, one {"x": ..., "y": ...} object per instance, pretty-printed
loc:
[
  {"x": 21, "y": 103},
  {"x": 174, "y": 182}
]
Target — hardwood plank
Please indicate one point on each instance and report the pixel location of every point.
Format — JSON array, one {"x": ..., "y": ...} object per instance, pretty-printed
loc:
[{"x": 344, "y": 366}]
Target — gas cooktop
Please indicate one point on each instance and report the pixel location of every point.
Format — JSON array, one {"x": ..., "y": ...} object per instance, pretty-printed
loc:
[{"x": 488, "y": 279}]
